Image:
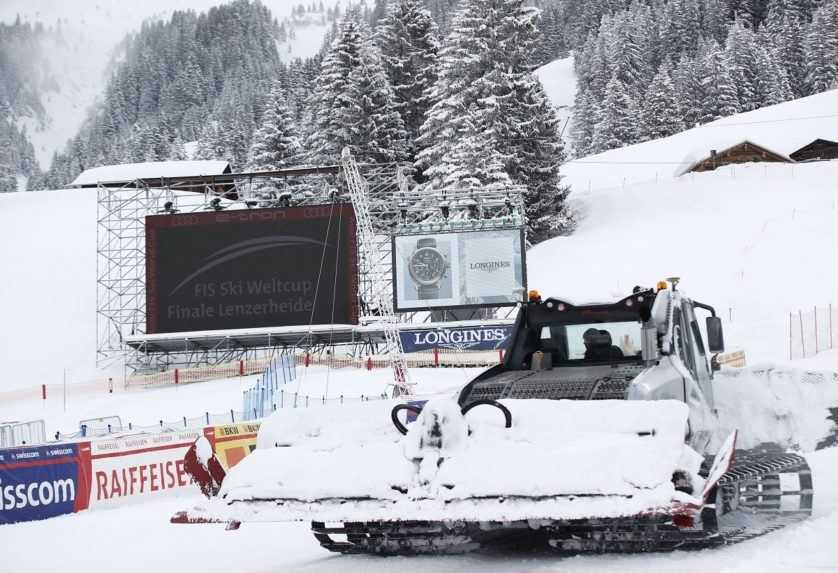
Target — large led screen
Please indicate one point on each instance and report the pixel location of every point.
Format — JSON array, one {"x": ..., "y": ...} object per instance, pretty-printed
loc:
[
  {"x": 251, "y": 268},
  {"x": 458, "y": 270}
]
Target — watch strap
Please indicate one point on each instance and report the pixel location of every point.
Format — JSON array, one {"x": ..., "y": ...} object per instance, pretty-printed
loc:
[
  {"x": 425, "y": 242},
  {"x": 428, "y": 291}
]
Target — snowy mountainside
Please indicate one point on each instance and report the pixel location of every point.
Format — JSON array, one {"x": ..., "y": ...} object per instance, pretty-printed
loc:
[
  {"x": 559, "y": 81},
  {"x": 754, "y": 240},
  {"x": 90, "y": 35},
  {"x": 782, "y": 128}
]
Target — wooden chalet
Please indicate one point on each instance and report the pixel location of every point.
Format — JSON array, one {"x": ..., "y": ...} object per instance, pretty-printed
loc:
[
  {"x": 818, "y": 150},
  {"x": 743, "y": 152}
]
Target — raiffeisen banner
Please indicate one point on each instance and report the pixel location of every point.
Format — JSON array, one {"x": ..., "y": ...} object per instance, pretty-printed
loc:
[
  {"x": 44, "y": 481},
  {"x": 124, "y": 469},
  {"x": 461, "y": 338},
  {"x": 459, "y": 269}
]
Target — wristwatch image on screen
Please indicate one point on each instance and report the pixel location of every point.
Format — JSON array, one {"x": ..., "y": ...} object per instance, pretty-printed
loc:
[{"x": 427, "y": 267}]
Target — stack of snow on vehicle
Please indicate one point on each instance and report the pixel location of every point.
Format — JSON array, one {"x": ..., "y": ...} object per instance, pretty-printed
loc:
[{"x": 607, "y": 455}]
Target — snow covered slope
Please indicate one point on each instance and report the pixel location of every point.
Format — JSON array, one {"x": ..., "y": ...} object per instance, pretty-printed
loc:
[
  {"x": 782, "y": 128},
  {"x": 754, "y": 240},
  {"x": 48, "y": 291},
  {"x": 559, "y": 81},
  {"x": 90, "y": 34}
]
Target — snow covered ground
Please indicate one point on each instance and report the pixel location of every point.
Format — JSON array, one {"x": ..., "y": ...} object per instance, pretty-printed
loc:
[
  {"x": 147, "y": 406},
  {"x": 754, "y": 240},
  {"x": 139, "y": 538}
]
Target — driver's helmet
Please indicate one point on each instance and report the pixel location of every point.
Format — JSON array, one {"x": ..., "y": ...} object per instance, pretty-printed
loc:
[
  {"x": 590, "y": 336},
  {"x": 594, "y": 337}
]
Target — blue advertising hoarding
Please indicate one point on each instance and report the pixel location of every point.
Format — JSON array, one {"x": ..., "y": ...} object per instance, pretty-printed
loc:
[
  {"x": 458, "y": 338},
  {"x": 43, "y": 481}
]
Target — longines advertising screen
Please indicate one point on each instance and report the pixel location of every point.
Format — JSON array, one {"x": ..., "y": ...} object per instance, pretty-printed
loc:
[
  {"x": 451, "y": 270},
  {"x": 251, "y": 268}
]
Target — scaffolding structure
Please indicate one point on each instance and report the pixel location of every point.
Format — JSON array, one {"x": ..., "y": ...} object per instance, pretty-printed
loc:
[{"x": 390, "y": 206}]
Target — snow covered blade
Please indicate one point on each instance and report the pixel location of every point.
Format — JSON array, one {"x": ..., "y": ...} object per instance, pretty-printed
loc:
[{"x": 558, "y": 460}]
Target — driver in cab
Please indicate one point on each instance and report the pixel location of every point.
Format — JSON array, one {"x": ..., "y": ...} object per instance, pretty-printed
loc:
[{"x": 599, "y": 347}]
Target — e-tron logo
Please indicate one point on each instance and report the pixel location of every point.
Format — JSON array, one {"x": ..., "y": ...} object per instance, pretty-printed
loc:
[{"x": 36, "y": 494}]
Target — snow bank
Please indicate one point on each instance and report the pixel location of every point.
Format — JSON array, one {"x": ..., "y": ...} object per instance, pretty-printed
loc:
[{"x": 774, "y": 404}]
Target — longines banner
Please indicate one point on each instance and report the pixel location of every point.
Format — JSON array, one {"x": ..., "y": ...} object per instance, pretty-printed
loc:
[
  {"x": 460, "y": 338},
  {"x": 457, "y": 270},
  {"x": 251, "y": 268}
]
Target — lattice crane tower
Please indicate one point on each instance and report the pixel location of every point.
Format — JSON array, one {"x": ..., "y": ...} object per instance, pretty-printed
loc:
[{"x": 381, "y": 294}]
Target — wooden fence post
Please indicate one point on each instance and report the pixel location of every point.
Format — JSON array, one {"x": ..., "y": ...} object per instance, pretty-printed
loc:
[
  {"x": 791, "y": 357},
  {"x": 802, "y": 340},
  {"x": 816, "y": 329}
]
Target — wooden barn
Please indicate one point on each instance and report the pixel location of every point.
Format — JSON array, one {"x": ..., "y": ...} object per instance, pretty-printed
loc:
[
  {"x": 818, "y": 150},
  {"x": 742, "y": 152}
]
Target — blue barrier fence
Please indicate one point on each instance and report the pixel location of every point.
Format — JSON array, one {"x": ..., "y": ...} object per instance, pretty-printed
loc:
[{"x": 259, "y": 400}]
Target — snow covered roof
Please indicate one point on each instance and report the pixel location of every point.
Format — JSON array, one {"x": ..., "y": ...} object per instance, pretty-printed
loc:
[
  {"x": 694, "y": 160},
  {"x": 128, "y": 172}
]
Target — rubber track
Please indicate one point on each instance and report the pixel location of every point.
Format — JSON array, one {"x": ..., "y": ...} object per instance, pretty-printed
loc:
[{"x": 750, "y": 499}]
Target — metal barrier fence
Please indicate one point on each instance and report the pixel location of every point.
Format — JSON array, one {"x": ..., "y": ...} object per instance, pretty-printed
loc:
[
  {"x": 811, "y": 331},
  {"x": 443, "y": 357},
  {"x": 184, "y": 423},
  {"x": 288, "y": 399},
  {"x": 261, "y": 397},
  {"x": 74, "y": 389},
  {"x": 22, "y": 433}
]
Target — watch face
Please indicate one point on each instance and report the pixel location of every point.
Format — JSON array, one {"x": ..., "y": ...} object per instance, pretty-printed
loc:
[{"x": 426, "y": 266}]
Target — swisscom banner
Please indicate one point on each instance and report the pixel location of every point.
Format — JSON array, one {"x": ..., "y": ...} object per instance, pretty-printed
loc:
[
  {"x": 44, "y": 481},
  {"x": 251, "y": 268},
  {"x": 451, "y": 270}
]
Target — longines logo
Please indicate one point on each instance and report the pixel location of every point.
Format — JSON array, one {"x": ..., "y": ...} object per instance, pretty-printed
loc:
[
  {"x": 490, "y": 266},
  {"x": 459, "y": 339}
]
